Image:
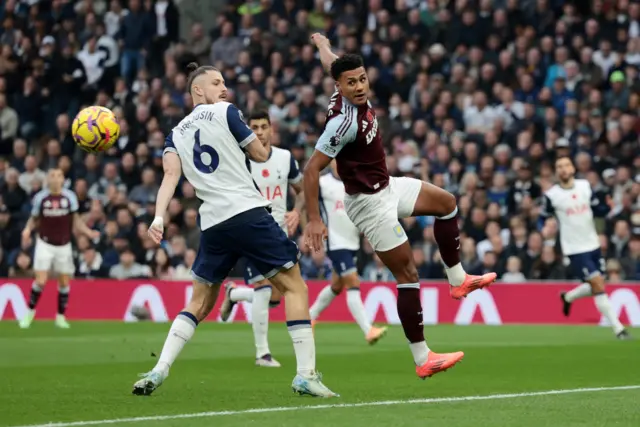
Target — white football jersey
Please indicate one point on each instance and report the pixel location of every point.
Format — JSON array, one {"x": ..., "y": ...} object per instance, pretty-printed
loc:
[
  {"x": 342, "y": 233},
  {"x": 572, "y": 207},
  {"x": 210, "y": 144},
  {"x": 273, "y": 178}
]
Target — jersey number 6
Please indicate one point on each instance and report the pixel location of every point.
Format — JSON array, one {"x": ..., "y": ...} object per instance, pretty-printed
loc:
[{"x": 200, "y": 149}]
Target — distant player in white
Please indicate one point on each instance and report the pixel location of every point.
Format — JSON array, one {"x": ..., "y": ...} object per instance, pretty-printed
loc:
[
  {"x": 573, "y": 203},
  {"x": 343, "y": 241},
  {"x": 210, "y": 146},
  {"x": 273, "y": 178}
]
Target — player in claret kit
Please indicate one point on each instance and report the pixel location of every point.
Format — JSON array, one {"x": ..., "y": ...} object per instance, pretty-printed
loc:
[
  {"x": 375, "y": 201},
  {"x": 211, "y": 146},
  {"x": 55, "y": 215},
  {"x": 343, "y": 241},
  {"x": 273, "y": 178},
  {"x": 574, "y": 204}
]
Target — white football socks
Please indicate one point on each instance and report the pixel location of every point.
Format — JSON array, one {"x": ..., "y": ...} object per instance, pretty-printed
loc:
[
  {"x": 182, "y": 329},
  {"x": 456, "y": 274},
  {"x": 241, "y": 293},
  {"x": 304, "y": 346},
  {"x": 580, "y": 291},
  {"x": 356, "y": 307},
  {"x": 322, "y": 301},
  {"x": 604, "y": 307},
  {"x": 260, "y": 319},
  {"x": 420, "y": 352}
]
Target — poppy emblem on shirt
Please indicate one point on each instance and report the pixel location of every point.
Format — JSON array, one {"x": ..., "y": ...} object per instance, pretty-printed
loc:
[
  {"x": 574, "y": 196},
  {"x": 369, "y": 116},
  {"x": 265, "y": 173}
]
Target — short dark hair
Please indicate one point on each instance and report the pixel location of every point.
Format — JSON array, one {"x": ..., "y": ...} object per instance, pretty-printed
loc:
[
  {"x": 561, "y": 158},
  {"x": 196, "y": 70},
  {"x": 259, "y": 115},
  {"x": 346, "y": 62}
]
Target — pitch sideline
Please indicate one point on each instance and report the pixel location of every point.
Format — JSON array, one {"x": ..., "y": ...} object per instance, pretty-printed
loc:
[{"x": 333, "y": 406}]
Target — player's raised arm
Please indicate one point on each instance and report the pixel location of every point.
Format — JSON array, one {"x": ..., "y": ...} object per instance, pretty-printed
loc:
[
  {"x": 324, "y": 48},
  {"x": 172, "y": 173}
]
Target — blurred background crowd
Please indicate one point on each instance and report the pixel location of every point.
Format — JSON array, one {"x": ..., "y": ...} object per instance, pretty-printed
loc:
[{"x": 477, "y": 97}]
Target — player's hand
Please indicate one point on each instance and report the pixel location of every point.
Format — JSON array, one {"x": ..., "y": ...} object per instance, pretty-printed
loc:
[
  {"x": 292, "y": 220},
  {"x": 156, "y": 229},
  {"x": 26, "y": 237},
  {"x": 320, "y": 40},
  {"x": 315, "y": 233}
]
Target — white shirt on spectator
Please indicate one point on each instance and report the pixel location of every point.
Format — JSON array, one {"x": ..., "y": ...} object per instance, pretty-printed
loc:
[
  {"x": 112, "y": 21},
  {"x": 161, "y": 22},
  {"x": 480, "y": 120},
  {"x": 93, "y": 64},
  {"x": 485, "y": 245},
  {"x": 509, "y": 115},
  {"x": 605, "y": 63}
]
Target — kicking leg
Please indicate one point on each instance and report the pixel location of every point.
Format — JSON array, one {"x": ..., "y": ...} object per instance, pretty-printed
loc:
[
  {"x": 326, "y": 296},
  {"x": 400, "y": 261},
  {"x": 437, "y": 202},
  {"x": 260, "y": 323},
  {"x": 580, "y": 291},
  {"x": 184, "y": 326},
  {"x": 296, "y": 297},
  {"x": 37, "y": 287},
  {"x": 63, "y": 300},
  {"x": 603, "y": 305}
]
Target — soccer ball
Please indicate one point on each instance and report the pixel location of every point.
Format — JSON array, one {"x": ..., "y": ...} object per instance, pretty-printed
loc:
[{"x": 95, "y": 129}]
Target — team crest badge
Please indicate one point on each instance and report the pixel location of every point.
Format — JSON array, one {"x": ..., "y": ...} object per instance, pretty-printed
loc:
[{"x": 399, "y": 230}]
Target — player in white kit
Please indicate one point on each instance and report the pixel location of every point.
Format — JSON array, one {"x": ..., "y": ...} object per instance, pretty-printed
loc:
[
  {"x": 210, "y": 146},
  {"x": 573, "y": 203},
  {"x": 273, "y": 178},
  {"x": 343, "y": 241}
]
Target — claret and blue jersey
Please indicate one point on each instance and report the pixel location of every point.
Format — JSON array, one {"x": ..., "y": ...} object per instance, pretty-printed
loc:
[{"x": 233, "y": 216}]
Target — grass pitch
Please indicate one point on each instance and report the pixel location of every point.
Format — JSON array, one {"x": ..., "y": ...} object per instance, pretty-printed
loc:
[{"x": 520, "y": 376}]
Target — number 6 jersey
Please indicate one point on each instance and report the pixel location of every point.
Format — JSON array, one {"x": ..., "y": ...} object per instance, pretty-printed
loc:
[{"x": 210, "y": 143}]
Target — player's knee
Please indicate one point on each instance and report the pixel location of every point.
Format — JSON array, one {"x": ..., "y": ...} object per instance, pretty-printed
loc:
[
  {"x": 350, "y": 281},
  {"x": 40, "y": 278},
  {"x": 597, "y": 284},
  {"x": 448, "y": 204},
  {"x": 409, "y": 274}
]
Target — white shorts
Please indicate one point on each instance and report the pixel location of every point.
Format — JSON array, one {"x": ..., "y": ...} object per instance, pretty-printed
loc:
[
  {"x": 376, "y": 215},
  {"x": 50, "y": 257}
]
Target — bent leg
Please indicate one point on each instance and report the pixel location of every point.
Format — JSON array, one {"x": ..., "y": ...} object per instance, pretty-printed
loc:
[
  {"x": 326, "y": 296},
  {"x": 400, "y": 261}
]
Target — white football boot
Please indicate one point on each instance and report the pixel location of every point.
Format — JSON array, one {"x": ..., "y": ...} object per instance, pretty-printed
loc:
[{"x": 311, "y": 386}]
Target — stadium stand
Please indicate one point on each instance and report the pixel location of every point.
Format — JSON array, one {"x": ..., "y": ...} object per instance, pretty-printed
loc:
[{"x": 475, "y": 96}]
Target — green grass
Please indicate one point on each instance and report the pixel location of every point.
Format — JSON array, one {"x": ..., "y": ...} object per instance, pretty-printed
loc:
[{"x": 86, "y": 373}]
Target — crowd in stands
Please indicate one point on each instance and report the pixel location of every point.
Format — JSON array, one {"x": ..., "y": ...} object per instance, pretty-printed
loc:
[{"x": 478, "y": 97}]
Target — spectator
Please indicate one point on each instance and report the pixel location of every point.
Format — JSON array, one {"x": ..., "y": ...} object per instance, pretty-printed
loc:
[
  {"x": 127, "y": 268},
  {"x": 376, "y": 271},
  {"x": 163, "y": 269}
]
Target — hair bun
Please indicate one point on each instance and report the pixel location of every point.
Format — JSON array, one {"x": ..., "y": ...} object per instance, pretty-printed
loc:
[{"x": 192, "y": 66}]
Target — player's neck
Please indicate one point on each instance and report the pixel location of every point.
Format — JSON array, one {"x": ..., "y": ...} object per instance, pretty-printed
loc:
[
  {"x": 567, "y": 185},
  {"x": 55, "y": 192}
]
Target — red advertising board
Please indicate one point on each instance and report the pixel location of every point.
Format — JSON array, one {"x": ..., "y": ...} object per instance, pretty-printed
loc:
[{"x": 503, "y": 303}]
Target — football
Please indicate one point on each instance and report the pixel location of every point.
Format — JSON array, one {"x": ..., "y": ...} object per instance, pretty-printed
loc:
[{"x": 95, "y": 129}]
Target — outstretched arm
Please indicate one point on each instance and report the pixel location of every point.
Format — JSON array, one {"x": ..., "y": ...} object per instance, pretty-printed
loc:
[
  {"x": 172, "y": 173},
  {"x": 315, "y": 231},
  {"x": 324, "y": 48}
]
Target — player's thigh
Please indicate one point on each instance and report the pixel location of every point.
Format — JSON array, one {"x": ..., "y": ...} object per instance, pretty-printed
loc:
[
  {"x": 343, "y": 261},
  {"x": 430, "y": 200},
  {"x": 399, "y": 261},
  {"x": 267, "y": 247},
  {"x": 251, "y": 274},
  {"x": 43, "y": 258},
  {"x": 376, "y": 217},
  {"x": 63, "y": 263},
  {"x": 215, "y": 258},
  {"x": 289, "y": 280},
  {"x": 589, "y": 267}
]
